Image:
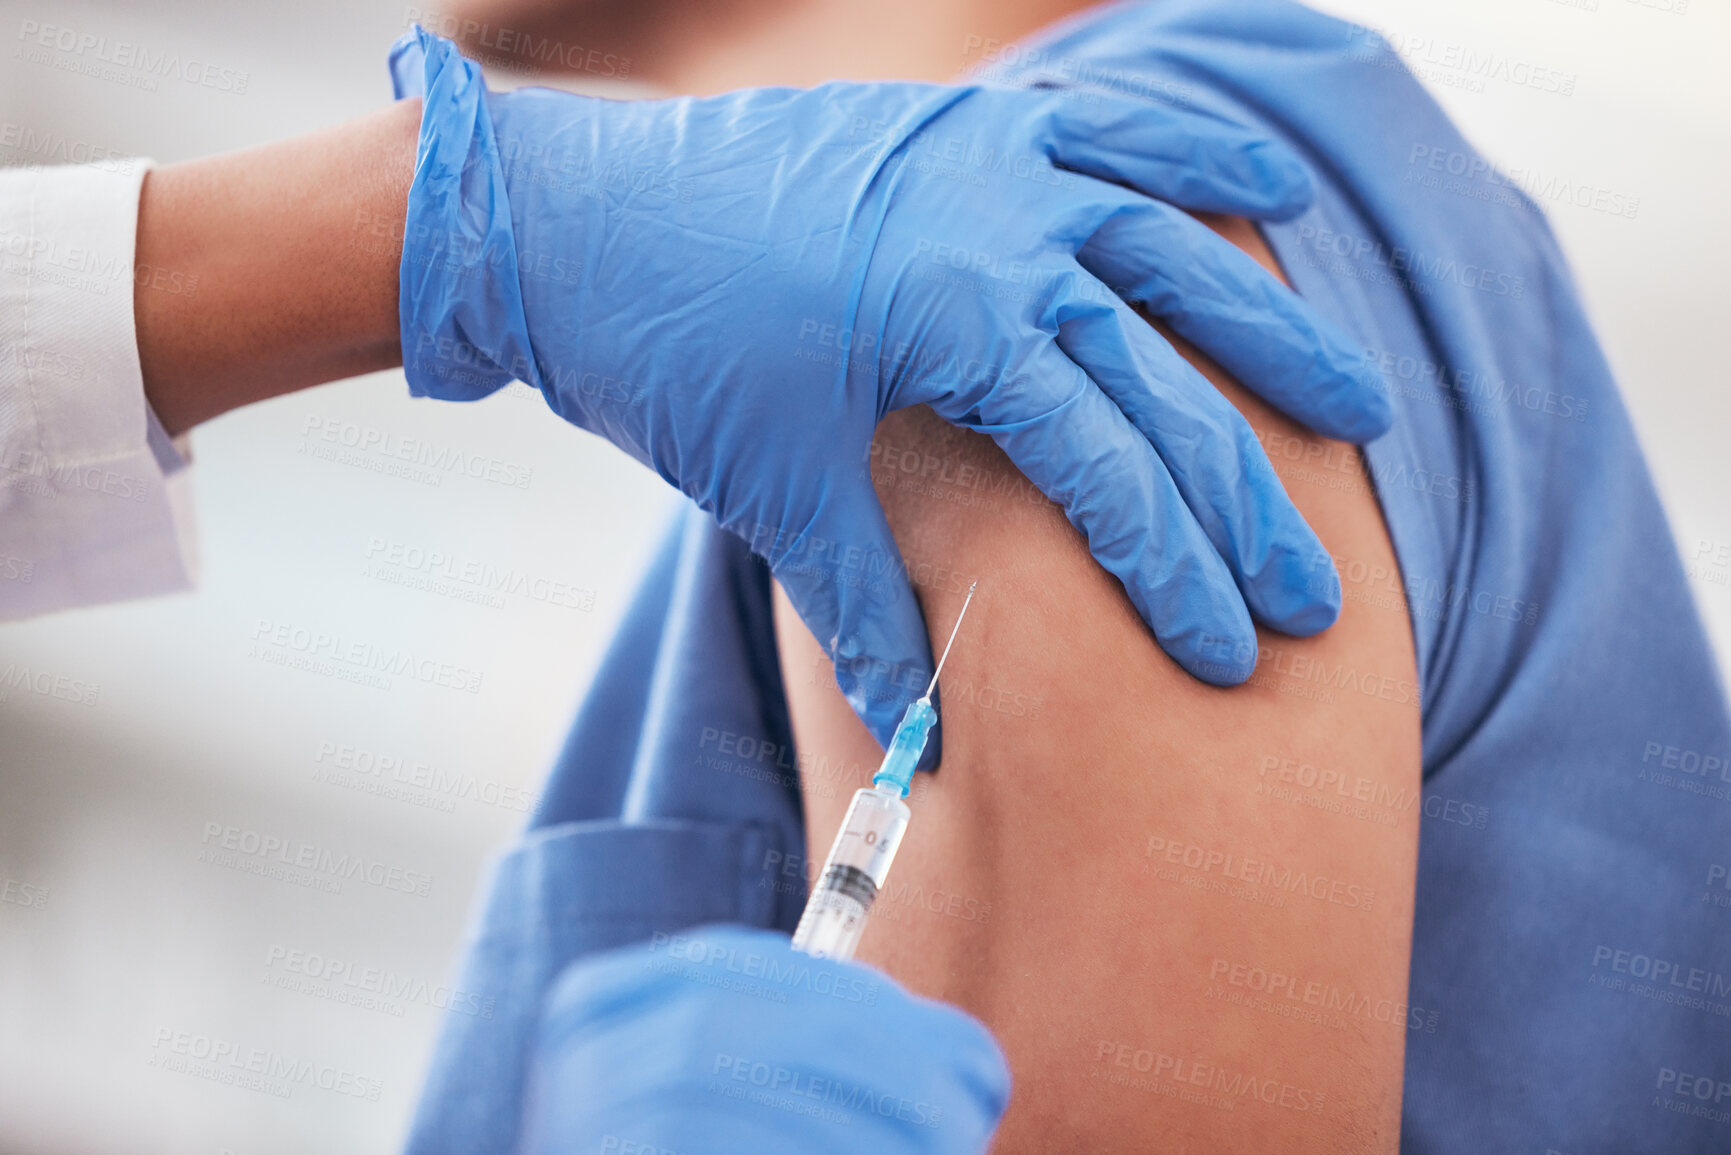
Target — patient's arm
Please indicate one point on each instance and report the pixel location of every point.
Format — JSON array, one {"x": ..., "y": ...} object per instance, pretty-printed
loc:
[{"x": 1184, "y": 911}]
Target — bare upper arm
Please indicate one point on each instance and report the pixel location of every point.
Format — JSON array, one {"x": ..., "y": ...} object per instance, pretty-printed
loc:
[{"x": 1184, "y": 911}]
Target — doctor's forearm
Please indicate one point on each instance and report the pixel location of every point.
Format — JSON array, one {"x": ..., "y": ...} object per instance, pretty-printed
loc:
[{"x": 295, "y": 247}]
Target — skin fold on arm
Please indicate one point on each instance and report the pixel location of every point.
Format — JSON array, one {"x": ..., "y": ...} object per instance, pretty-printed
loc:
[{"x": 1184, "y": 911}]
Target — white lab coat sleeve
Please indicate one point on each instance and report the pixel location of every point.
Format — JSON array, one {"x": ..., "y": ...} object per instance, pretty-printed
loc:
[{"x": 95, "y": 500}]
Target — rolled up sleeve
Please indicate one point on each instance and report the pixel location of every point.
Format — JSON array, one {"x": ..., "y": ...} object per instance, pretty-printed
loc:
[{"x": 95, "y": 499}]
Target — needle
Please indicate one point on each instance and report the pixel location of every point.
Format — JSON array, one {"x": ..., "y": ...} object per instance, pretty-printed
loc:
[{"x": 927, "y": 696}]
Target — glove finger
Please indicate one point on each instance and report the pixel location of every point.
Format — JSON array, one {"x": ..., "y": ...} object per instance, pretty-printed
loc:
[
  {"x": 844, "y": 575},
  {"x": 1074, "y": 443},
  {"x": 1214, "y": 458},
  {"x": 1189, "y": 159},
  {"x": 1218, "y": 298}
]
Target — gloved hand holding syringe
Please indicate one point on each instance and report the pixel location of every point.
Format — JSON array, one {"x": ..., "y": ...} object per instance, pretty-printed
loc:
[{"x": 859, "y": 860}]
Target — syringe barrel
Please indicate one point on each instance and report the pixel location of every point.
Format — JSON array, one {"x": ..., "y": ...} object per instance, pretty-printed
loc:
[{"x": 858, "y": 863}]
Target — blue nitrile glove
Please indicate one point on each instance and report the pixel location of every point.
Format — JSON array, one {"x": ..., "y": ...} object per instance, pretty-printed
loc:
[
  {"x": 734, "y": 290},
  {"x": 726, "y": 1039}
]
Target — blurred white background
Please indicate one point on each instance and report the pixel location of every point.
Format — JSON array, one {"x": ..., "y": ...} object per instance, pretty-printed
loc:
[{"x": 104, "y": 808}]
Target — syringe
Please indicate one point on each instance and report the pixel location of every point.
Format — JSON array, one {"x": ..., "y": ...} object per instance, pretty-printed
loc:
[{"x": 860, "y": 858}]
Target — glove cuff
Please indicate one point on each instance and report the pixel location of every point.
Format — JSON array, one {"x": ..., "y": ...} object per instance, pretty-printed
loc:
[{"x": 459, "y": 306}]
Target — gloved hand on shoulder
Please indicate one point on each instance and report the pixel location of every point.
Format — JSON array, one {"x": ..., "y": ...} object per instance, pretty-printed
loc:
[{"x": 736, "y": 289}]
